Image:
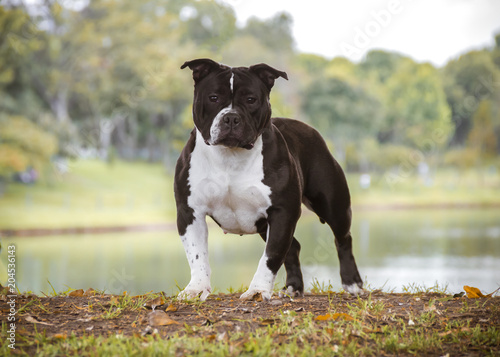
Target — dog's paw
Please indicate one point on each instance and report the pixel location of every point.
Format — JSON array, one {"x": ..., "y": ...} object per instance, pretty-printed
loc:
[
  {"x": 192, "y": 291},
  {"x": 291, "y": 292},
  {"x": 250, "y": 293},
  {"x": 355, "y": 289}
]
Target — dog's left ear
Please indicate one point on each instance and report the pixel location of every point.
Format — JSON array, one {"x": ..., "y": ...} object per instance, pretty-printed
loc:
[{"x": 267, "y": 74}]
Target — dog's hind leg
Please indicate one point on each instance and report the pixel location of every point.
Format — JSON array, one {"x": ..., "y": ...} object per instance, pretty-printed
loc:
[{"x": 327, "y": 194}]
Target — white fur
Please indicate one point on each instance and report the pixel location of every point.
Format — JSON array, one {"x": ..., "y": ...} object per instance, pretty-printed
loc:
[
  {"x": 231, "y": 82},
  {"x": 196, "y": 247},
  {"x": 226, "y": 184},
  {"x": 263, "y": 280},
  {"x": 215, "y": 127},
  {"x": 290, "y": 292},
  {"x": 353, "y": 289}
]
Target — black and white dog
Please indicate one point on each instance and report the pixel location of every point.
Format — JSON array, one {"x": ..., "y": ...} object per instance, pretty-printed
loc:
[{"x": 250, "y": 174}]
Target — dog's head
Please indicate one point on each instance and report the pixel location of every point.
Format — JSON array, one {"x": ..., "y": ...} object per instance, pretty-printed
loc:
[{"x": 231, "y": 105}]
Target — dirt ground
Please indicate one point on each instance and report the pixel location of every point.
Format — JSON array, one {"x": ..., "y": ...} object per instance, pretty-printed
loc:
[{"x": 91, "y": 313}]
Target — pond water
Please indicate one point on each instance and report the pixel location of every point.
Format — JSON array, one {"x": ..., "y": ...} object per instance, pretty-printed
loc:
[{"x": 393, "y": 249}]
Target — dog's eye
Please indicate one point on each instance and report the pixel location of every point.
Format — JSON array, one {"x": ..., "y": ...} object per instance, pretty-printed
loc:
[
  {"x": 213, "y": 98},
  {"x": 251, "y": 100}
]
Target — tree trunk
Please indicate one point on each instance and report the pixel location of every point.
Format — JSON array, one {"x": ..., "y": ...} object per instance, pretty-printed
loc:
[{"x": 59, "y": 105}]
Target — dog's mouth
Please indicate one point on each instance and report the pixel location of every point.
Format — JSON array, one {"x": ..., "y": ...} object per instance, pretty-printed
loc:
[{"x": 232, "y": 143}]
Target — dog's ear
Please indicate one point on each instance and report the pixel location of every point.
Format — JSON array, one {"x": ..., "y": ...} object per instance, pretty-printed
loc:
[
  {"x": 202, "y": 67},
  {"x": 267, "y": 74}
]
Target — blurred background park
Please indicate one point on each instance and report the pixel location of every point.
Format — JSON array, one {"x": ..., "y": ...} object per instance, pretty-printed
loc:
[{"x": 94, "y": 111}]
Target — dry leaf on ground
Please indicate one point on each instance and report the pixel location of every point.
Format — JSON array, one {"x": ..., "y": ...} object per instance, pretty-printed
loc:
[{"x": 160, "y": 318}]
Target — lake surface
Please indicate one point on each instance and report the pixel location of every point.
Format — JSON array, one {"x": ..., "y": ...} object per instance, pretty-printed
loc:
[{"x": 393, "y": 249}]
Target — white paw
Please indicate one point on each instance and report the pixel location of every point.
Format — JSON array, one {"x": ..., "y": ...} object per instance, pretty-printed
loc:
[
  {"x": 353, "y": 289},
  {"x": 250, "y": 293},
  {"x": 194, "y": 290},
  {"x": 290, "y": 292}
]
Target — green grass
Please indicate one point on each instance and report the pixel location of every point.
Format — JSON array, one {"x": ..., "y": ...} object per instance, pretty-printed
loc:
[
  {"x": 94, "y": 193},
  {"x": 369, "y": 330},
  {"x": 448, "y": 187}
]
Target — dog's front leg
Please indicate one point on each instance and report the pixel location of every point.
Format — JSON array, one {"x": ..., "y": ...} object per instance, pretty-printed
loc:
[
  {"x": 279, "y": 238},
  {"x": 195, "y": 242}
]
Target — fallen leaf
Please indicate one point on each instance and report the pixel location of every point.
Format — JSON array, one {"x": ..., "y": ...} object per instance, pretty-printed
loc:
[
  {"x": 472, "y": 292},
  {"x": 267, "y": 321},
  {"x": 160, "y": 318},
  {"x": 222, "y": 337},
  {"x": 60, "y": 336},
  {"x": 89, "y": 292},
  {"x": 442, "y": 334},
  {"x": 87, "y": 319},
  {"x": 31, "y": 319},
  {"x": 153, "y": 303},
  {"x": 430, "y": 308},
  {"x": 171, "y": 308},
  {"x": 141, "y": 296},
  {"x": 76, "y": 293},
  {"x": 335, "y": 316},
  {"x": 114, "y": 300}
]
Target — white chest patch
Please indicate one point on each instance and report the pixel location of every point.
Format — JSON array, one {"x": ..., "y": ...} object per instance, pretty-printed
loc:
[{"x": 227, "y": 185}]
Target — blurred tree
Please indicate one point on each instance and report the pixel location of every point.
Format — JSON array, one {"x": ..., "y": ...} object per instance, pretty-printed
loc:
[
  {"x": 135, "y": 91},
  {"x": 209, "y": 24},
  {"x": 24, "y": 144},
  {"x": 496, "y": 51},
  {"x": 482, "y": 137},
  {"x": 468, "y": 80},
  {"x": 236, "y": 52},
  {"x": 18, "y": 42},
  {"x": 379, "y": 65},
  {"x": 342, "y": 110},
  {"x": 275, "y": 33},
  {"x": 312, "y": 64},
  {"x": 22, "y": 69},
  {"x": 417, "y": 111}
]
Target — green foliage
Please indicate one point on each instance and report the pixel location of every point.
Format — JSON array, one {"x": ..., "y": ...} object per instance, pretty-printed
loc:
[
  {"x": 380, "y": 64},
  {"x": 336, "y": 106},
  {"x": 468, "y": 80},
  {"x": 24, "y": 144},
  {"x": 106, "y": 75},
  {"x": 416, "y": 105},
  {"x": 482, "y": 138},
  {"x": 207, "y": 23},
  {"x": 275, "y": 33}
]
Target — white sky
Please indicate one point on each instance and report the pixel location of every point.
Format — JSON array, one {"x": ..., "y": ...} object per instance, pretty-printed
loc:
[{"x": 425, "y": 30}]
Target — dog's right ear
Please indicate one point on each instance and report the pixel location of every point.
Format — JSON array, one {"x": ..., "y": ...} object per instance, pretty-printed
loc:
[{"x": 202, "y": 67}]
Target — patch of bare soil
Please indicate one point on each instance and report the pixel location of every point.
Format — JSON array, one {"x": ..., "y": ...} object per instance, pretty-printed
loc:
[{"x": 89, "y": 313}]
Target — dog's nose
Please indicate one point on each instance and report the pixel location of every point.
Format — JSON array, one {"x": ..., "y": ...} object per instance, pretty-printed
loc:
[{"x": 231, "y": 119}]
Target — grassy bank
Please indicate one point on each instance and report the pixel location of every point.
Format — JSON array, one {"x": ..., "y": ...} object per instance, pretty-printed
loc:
[
  {"x": 323, "y": 323},
  {"x": 94, "y": 193}
]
